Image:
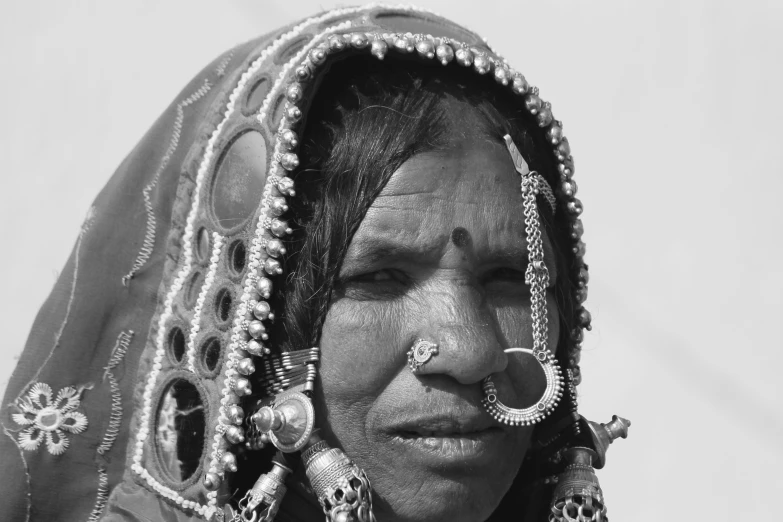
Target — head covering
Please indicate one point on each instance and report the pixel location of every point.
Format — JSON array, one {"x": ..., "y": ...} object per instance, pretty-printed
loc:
[{"x": 160, "y": 284}]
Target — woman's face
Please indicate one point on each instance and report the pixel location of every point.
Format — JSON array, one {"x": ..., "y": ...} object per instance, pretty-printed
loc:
[{"x": 440, "y": 256}]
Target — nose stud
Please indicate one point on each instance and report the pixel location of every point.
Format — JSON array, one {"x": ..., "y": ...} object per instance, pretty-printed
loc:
[{"x": 421, "y": 352}]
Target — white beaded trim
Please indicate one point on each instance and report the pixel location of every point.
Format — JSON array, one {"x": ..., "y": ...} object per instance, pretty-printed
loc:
[
  {"x": 258, "y": 241},
  {"x": 195, "y": 324},
  {"x": 208, "y": 510}
]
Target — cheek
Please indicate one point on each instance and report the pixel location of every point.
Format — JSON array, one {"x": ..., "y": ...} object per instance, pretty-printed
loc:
[
  {"x": 515, "y": 324},
  {"x": 360, "y": 346}
]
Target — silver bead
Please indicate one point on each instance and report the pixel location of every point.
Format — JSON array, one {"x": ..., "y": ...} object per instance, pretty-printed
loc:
[
  {"x": 294, "y": 93},
  {"x": 581, "y": 295},
  {"x": 544, "y": 117},
  {"x": 520, "y": 85},
  {"x": 293, "y": 114},
  {"x": 289, "y": 161},
  {"x": 261, "y": 311},
  {"x": 317, "y": 55},
  {"x": 275, "y": 248},
  {"x": 425, "y": 48},
  {"x": 337, "y": 42},
  {"x": 574, "y": 207},
  {"x": 235, "y": 413},
  {"x": 563, "y": 150},
  {"x": 257, "y": 330},
  {"x": 579, "y": 249},
  {"x": 289, "y": 139},
  {"x": 264, "y": 287},
  {"x": 577, "y": 229},
  {"x": 577, "y": 376},
  {"x": 212, "y": 481},
  {"x": 501, "y": 75},
  {"x": 445, "y": 53},
  {"x": 379, "y": 48},
  {"x": 359, "y": 40},
  {"x": 246, "y": 367},
  {"x": 569, "y": 188},
  {"x": 565, "y": 172},
  {"x": 286, "y": 186},
  {"x": 404, "y": 44},
  {"x": 278, "y": 207},
  {"x": 253, "y": 347},
  {"x": 585, "y": 319},
  {"x": 279, "y": 228},
  {"x": 241, "y": 387},
  {"x": 464, "y": 57},
  {"x": 554, "y": 134},
  {"x": 583, "y": 277},
  {"x": 533, "y": 103},
  {"x": 482, "y": 64},
  {"x": 303, "y": 72},
  {"x": 229, "y": 462},
  {"x": 272, "y": 267},
  {"x": 235, "y": 435}
]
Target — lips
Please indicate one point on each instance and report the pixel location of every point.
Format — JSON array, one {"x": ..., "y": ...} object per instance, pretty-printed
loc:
[
  {"x": 449, "y": 441},
  {"x": 447, "y": 426}
]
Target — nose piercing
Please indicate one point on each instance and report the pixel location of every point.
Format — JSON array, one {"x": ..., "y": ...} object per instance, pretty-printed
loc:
[
  {"x": 421, "y": 352},
  {"x": 532, "y": 414}
]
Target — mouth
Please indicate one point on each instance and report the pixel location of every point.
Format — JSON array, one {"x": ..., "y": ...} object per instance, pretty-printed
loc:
[{"x": 447, "y": 441}]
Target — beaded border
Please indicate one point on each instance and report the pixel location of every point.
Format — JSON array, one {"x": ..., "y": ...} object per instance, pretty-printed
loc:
[
  {"x": 142, "y": 434},
  {"x": 263, "y": 252},
  {"x": 195, "y": 324}
]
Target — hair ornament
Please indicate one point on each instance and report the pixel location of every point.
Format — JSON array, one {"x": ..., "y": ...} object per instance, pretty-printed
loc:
[{"x": 261, "y": 503}]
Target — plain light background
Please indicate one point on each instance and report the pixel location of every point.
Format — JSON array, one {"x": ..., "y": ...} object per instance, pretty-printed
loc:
[{"x": 674, "y": 115}]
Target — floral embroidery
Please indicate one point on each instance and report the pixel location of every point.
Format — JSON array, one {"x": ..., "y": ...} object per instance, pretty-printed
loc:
[{"x": 48, "y": 420}]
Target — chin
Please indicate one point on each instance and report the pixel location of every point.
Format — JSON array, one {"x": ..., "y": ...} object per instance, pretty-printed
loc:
[
  {"x": 457, "y": 479},
  {"x": 440, "y": 499}
]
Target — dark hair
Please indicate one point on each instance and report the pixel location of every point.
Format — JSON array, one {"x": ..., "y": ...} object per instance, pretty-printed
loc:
[{"x": 367, "y": 119}]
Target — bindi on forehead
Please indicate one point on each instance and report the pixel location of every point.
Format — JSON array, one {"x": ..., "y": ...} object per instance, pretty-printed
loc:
[{"x": 460, "y": 237}]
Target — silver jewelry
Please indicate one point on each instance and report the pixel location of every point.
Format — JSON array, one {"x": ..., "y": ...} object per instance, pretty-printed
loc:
[
  {"x": 537, "y": 276},
  {"x": 421, "y": 352},
  {"x": 532, "y": 414}
]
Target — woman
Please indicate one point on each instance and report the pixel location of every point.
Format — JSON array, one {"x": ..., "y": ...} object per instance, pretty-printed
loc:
[{"x": 342, "y": 276}]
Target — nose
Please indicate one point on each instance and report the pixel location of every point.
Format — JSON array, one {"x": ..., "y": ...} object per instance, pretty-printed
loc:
[{"x": 460, "y": 323}]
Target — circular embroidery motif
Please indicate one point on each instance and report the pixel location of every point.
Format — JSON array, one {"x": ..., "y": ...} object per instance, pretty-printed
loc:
[{"x": 47, "y": 419}]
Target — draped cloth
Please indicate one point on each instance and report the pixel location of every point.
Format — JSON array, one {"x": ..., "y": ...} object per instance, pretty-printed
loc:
[{"x": 116, "y": 409}]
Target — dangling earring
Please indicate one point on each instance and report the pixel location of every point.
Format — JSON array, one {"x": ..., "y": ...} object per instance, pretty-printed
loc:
[
  {"x": 261, "y": 503},
  {"x": 578, "y": 494},
  {"x": 287, "y": 422},
  {"x": 537, "y": 276},
  {"x": 342, "y": 487}
]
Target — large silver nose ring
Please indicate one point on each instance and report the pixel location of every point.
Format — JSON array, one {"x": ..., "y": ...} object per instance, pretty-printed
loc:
[{"x": 420, "y": 353}]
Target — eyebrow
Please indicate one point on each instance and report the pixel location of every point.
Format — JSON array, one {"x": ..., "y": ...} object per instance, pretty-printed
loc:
[
  {"x": 378, "y": 250},
  {"x": 375, "y": 250}
]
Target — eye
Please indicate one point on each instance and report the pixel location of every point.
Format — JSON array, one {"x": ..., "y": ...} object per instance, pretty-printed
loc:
[
  {"x": 380, "y": 275},
  {"x": 385, "y": 275},
  {"x": 384, "y": 284}
]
